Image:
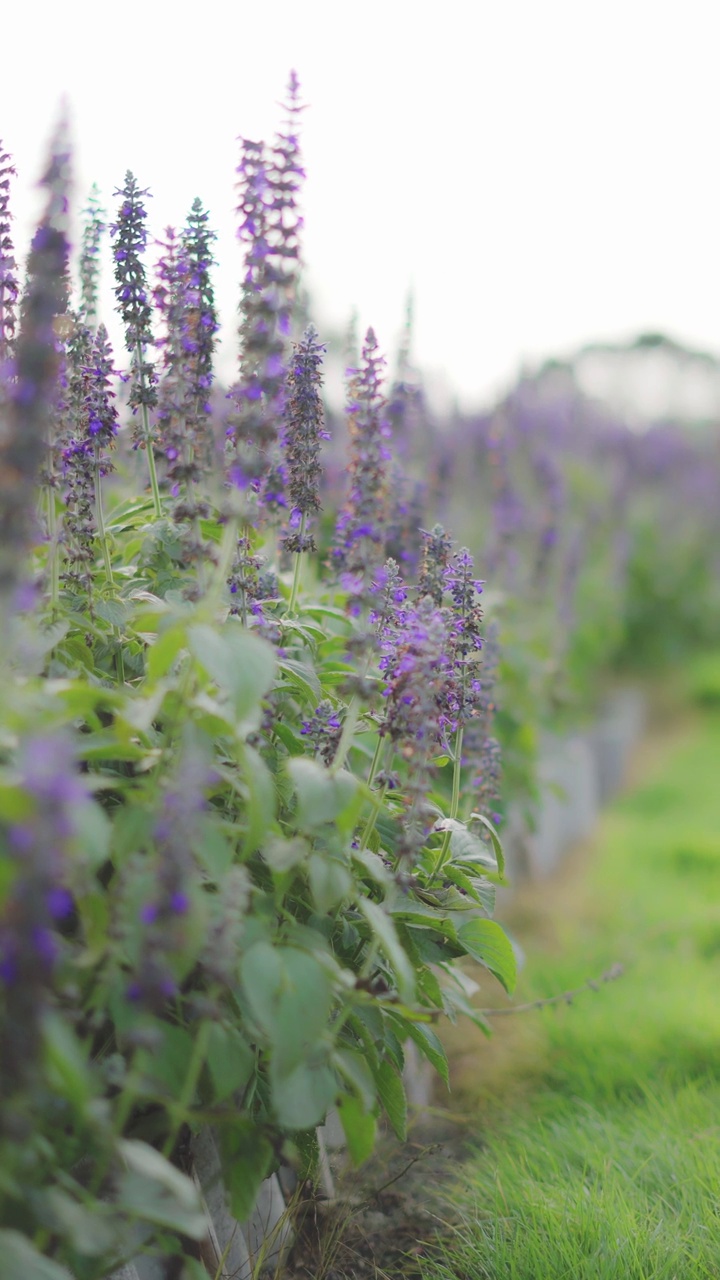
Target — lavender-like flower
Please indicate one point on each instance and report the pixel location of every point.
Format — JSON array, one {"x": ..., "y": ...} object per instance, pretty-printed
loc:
[
  {"x": 415, "y": 672},
  {"x": 39, "y": 897},
  {"x": 86, "y": 453},
  {"x": 361, "y": 525},
  {"x": 464, "y": 642},
  {"x": 8, "y": 265},
  {"x": 164, "y": 916},
  {"x": 269, "y": 226},
  {"x": 129, "y": 241},
  {"x": 201, "y": 324},
  {"x": 89, "y": 270},
  {"x": 323, "y": 730},
  {"x": 23, "y": 445},
  {"x": 302, "y": 435},
  {"x": 436, "y": 552}
]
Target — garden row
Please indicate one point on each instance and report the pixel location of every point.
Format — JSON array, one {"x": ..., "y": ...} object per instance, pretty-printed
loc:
[{"x": 251, "y": 720}]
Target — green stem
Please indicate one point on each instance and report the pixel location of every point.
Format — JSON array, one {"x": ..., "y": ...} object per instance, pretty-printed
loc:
[
  {"x": 348, "y": 731},
  {"x": 54, "y": 551},
  {"x": 298, "y": 567},
  {"x": 454, "y": 802},
  {"x": 195, "y": 1066},
  {"x": 103, "y": 540},
  {"x": 148, "y": 439},
  {"x": 370, "y": 825},
  {"x": 102, "y": 531}
]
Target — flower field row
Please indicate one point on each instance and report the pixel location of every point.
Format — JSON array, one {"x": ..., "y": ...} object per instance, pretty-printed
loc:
[{"x": 249, "y": 734}]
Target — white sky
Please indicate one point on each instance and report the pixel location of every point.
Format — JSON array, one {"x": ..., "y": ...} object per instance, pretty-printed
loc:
[{"x": 541, "y": 172}]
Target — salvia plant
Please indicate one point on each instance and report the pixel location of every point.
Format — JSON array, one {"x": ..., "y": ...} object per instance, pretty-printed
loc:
[
  {"x": 252, "y": 721},
  {"x": 240, "y": 849}
]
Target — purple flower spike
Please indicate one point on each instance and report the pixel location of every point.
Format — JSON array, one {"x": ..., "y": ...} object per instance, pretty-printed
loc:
[
  {"x": 130, "y": 240},
  {"x": 8, "y": 265},
  {"x": 361, "y": 526},
  {"x": 302, "y": 435}
]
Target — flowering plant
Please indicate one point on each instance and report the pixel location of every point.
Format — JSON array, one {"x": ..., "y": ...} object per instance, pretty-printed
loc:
[{"x": 233, "y": 882}]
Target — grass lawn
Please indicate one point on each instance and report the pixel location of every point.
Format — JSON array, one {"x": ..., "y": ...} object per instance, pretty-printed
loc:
[{"x": 599, "y": 1122}]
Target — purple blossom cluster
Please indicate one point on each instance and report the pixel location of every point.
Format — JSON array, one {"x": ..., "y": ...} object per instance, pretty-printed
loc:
[
  {"x": 414, "y": 662},
  {"x": 30, "y": 389},
  {"x": 38, "y": 899},
  {"x": 302, "y": 434},
  {"x": 360, "y": 530},
  {"x": 129, "y": 243},
  {"x": 89, "y": 267},
  {"x": 269, "y": 181},
  {"x": 85, "y": 450},
  {"x": 8, "y": 265},
  {"x": 322, "y": 731},
  {"x": 165, "y": 914},
  {"x": 460, "y": 695}
]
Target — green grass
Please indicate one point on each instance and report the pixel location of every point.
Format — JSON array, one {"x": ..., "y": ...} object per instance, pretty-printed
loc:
[{"x": 600, "y": 1127}]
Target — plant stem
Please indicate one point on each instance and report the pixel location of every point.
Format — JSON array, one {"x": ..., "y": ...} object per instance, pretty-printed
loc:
[
  {"x": 102, "y": 532},
  {"x": 370, "y": 825},
  {"x": 454, "y": 802},
  {"x": 148, "y": 439},
  {"x": 54, "y": 552},
  {"x": 195, "y": 1066},
  {"x": 298, "y": 567}
]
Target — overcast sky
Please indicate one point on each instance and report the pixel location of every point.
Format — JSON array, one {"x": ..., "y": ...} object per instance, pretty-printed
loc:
[{"x": 539, "y": 172}]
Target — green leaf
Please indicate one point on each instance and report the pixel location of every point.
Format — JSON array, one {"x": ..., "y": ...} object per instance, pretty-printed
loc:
[
  {"x": 262, "y": 975},
  {"x": 330, "y": 882},
  {"x": 260, "y": 798},
  {"x": 467, "y": 847},
  {"x": 477, "y": 889},
  {"x": 391, "y": 1092},
  {"x": 303, "y": 1098},
  {"x": 303, "y": 1010},
  {"x": 384, "y": 931},
  {"x": 487, "y": 943},
  {"x": 91, "y": 1230},
  {"x": 495, "y": 839},
  {"x": 21, "y": 1260},
  {"x": 354, "y": 1068},
  {"x": 322, "y": 796},
  {"x": 66, "y": 1061},
  {"x": 155, "y": 1191},
  {"x": 167, "y": 1064},
  {"x": 230, "y": 1061},
  {"x": 164, "y": 652},
  {"x": 429, "y": 1045},
  {"x": 213, "y": 850},
  {"x": 303, "y": 678},
  {"x": 94, "y": 830},
  {"x": 113, "y": 611},
  {"x": 239, "y": 662},
  {"x": 247, "y": 1158},
  {"x": 294, "y": 745},
  {"x": 283, "y": 855},
  {"x": 358, "y": 1126}
]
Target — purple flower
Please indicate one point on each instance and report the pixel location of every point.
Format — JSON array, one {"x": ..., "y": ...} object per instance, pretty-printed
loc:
[
  {"x": 89, "y": 270},
  {"x": 303, "y": 431},
  {"x": 415, "y": 673},
  {"x": 164, "y": 914},
  {"x": 323, "y": 730},
  {"x": 38, "y": 897},
  {"x": 130, "y": 239},
  {"x": 8, "y": 265},
  {"x": 31, "y": 392},
  {"x": 361, "y": 526},
  {"x": 436, "y": 552}
]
